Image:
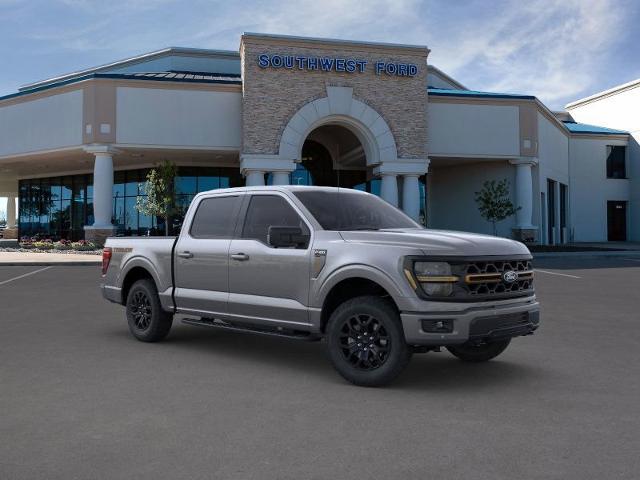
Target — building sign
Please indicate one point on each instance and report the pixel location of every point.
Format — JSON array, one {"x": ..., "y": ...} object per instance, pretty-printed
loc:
[{"x": 335, "y": 64}]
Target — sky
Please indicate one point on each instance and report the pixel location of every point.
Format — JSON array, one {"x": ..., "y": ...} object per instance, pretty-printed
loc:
[{"x": 558, "y": 50}]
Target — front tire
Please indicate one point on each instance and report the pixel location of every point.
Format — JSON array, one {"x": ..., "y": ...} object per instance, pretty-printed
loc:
[
  {"x": 366, "y": 343},
  {"x": 148, "y": 322},
  {"x": 479, "y": 353}
]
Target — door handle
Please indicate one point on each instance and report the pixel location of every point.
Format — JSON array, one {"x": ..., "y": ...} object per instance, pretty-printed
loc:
[
  {"x": 185, "y": 255},
  {"x": 240, "y": 256}
]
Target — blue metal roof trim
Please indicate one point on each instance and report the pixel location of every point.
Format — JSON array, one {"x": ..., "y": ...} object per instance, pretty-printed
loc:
[
  {"x": 228, "y": 79},
  {"x": 445, "y": 92},
  {"x": 185, "y": 76},
  {"x": 575, "y": 127}
]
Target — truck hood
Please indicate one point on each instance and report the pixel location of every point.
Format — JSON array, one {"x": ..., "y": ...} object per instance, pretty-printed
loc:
[{"x": 439, "y": 242}]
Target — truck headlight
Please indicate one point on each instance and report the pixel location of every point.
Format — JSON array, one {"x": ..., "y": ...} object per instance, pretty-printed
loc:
[{"x": 435, "y": 278}]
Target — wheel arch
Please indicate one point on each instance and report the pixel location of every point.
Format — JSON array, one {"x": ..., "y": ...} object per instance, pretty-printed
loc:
[
  {"x": 134, "y": 271},
  {"x": 354, "y": 282}
]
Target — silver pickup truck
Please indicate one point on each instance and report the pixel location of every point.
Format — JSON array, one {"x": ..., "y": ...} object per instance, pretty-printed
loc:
[{"x": 318, "y": 263}]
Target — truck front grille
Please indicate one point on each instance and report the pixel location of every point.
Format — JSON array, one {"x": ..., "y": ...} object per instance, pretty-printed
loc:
[{"x": 488, "y": 277}]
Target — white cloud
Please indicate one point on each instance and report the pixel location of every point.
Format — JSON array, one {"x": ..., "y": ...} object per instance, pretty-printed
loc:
[
  {"x": 349, "y": 19},
  {"x": 548, "y": 48},
  {"x": 553, "y": 49}
]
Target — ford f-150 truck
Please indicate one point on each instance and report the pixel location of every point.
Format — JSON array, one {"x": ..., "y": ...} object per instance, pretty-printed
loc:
[{"x": 326, "y": 263}]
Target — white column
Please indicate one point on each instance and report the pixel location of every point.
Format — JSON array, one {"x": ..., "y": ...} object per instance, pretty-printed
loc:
[
  {"x": 11, "y": 212},
  {"x": 253, "y": 167},
  {"x": 389, "y": 188},
  {"x": 254, "y": 178},
  {"x": 102, "y": 190},
  {"x": 280, "y": 178},
  {"x": 411, "y": 196},
  {"x": 524, "y": 192}
]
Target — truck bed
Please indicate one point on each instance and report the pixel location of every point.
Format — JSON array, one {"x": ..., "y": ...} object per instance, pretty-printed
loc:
[{"x": 152, "y": 253}]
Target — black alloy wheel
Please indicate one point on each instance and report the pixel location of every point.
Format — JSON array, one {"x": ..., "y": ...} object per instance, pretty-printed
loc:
[
  {"x": 148, "y": 322},
  {"x": 140, "y": 310},
  {"x": 365, "y": 341}
]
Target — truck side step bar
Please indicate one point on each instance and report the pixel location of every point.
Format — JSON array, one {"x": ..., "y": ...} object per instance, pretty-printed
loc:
[{"x": 213, "y": 323}]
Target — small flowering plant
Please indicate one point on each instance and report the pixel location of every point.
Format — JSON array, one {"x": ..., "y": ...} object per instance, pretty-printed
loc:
[
  {"x": 83, "y": 245},
  {"x": 47, "y": 244}
]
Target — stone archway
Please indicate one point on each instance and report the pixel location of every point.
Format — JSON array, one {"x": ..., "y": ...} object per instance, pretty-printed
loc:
[{"x": 340, "y": 108}]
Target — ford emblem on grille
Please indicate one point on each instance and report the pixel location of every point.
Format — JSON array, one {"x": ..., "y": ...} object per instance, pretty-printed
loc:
[{"x": 509, "y": 276}]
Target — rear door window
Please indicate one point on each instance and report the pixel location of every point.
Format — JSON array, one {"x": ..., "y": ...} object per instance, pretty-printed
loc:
[{"x": 215, "y": 217}]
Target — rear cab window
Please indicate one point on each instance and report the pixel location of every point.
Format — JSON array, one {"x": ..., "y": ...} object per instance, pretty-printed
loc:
[{"x": 216, "y": 217}]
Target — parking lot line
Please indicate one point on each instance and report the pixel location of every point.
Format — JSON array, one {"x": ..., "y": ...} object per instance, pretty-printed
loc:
[
  {"x": 556, "y": 273},
  {"x": 25, "y": 275}
]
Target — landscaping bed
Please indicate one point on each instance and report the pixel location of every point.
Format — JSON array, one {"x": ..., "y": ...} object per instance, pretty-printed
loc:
[{"x": 36, "y": 245}]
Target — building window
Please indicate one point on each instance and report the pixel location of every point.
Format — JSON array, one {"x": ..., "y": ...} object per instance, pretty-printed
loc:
[
  {"x": 56, "y": 207},
  {"x": 60, "y": 207},
  {"x": 616, "y": 161},
  {"x": 564, "y": 201},
  {"x": 551, "y": 211}
]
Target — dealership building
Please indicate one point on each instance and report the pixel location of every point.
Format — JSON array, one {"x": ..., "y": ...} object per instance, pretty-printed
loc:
[{"x": 75, "y": 149}]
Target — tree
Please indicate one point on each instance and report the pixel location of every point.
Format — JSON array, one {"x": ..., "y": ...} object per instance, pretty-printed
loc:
[
  {"x": 494, "y": 203},
  {"x": 160, "y": 200}
]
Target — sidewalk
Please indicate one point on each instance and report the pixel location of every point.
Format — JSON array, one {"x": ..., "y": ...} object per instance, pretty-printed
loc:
[
  {"x": 592, "y": 253},
  {"x": 620, "y": 249},
  {"x": 37, "y": 259}
]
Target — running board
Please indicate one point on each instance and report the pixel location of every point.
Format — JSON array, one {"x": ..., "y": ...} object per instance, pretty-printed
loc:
[{"x": 205, "y": 322}]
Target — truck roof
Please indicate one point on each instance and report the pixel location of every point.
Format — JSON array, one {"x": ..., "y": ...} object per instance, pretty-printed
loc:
[{"x": 280, "y": 188}]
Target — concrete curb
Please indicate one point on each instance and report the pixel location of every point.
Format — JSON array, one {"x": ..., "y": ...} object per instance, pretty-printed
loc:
[{"x": 616, "y": 253}]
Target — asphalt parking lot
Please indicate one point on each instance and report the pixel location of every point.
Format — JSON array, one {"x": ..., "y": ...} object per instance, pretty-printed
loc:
[{"x": 80, "y": 398}]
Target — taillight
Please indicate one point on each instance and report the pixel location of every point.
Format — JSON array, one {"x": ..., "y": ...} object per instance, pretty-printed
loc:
[{"x": 106, "y": 258}]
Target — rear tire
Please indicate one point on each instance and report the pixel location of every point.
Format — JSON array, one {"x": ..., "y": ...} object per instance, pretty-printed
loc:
[
  {"x": 366, "y": 343},
  {"x": 479, "y": 353},
  {"x": 148, "y": 322}
]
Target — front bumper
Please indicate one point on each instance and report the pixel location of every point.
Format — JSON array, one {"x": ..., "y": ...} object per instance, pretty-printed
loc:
[{"x": 478, "y": 322}]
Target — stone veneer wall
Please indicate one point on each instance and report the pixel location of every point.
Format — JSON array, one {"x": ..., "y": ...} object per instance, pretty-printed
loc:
[{"x": 271, "y": 96}]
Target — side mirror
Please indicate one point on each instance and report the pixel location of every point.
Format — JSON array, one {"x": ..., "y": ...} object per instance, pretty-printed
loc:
[{"x": 286, "y": 237}]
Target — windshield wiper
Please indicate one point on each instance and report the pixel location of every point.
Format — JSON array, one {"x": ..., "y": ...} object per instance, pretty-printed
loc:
[{"x": 362, "y": 228}]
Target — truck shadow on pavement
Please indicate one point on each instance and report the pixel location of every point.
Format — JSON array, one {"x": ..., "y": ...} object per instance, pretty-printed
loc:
[
  {"x": 443, "y": 372},
  {"x": 431, "y": 371}
]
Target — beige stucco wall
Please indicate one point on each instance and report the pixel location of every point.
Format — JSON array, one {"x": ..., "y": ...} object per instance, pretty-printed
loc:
[
  {"x": 473, "y": 129},
  {"x": 451, "y": 199},
  {"x": 272, "y": 96},
  {"x": 49, "y": 122},
  {"x": 178, "y": 117},
  {"x": 8, "y": 185}
]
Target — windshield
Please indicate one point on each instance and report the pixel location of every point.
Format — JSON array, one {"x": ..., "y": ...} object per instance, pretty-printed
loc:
[{"x": 347, "y": 210}]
